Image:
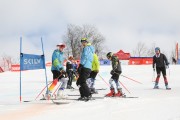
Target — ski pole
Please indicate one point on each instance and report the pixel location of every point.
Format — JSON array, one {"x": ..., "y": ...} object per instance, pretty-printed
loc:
[
  {"x": 132, "y": 79},
  {"x": 153, "y": 77},
  {"x": 103, "y": 80},
  {"x": 46, "y": 86},
  {"x": 124, "y": 87},
  {"x": 42, "y": 90}
]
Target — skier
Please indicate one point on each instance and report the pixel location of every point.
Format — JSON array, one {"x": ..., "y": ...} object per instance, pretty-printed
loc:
[
  {"x": 84, "y": 69},
  {"x": 115, "y": 72},
  {"x": 70, "y": 71},
  {"x": 161, "y": 63},
  {"x": 58, "y": 72},
  {"x": 94, "y": 72}
]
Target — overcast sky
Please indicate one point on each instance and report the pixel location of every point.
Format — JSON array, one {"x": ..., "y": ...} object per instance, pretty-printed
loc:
[{"x": 124, "y": 23}]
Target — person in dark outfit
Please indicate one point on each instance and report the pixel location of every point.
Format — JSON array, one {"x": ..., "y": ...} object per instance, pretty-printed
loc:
[
  {"x": 174, "y": 60},
  {"x": 161, "y": 63},
  {"x": 69, "y": 71},
  {"x": 115, "y": 72},
  {"x": 84, "y": 69}
]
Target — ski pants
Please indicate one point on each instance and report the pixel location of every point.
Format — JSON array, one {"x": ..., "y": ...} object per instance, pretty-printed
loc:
[{"x": 81, "y": 82}]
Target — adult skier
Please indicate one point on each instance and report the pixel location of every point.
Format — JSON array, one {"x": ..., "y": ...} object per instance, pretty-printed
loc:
[
  {"x": 115, "y": 72},
  {"x": 58, "y": 72},
  {"x": 94, "y": 72},
  {"x": 84, "y": 69},
  {"x": 160, "y": 62}
]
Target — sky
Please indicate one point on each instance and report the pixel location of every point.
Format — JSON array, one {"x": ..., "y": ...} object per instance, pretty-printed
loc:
[{"x": 123, "y": 23}]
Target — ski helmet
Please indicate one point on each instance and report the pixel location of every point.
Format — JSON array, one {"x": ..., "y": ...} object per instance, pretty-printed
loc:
[
  {"x": 109, "y": 54},
  {"x": 61, "y": 45},
  {"x": 157, "y": 48},
  {"x": 84, "y": 40}
]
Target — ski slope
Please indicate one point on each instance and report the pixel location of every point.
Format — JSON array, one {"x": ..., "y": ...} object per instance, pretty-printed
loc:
[{"x": 151, "y": 104}]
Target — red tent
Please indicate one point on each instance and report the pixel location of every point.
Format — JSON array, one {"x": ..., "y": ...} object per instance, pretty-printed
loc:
[{"x": 122, "y": 55}]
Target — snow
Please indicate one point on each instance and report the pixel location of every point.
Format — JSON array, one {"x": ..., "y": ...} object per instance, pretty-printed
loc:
[{"x": 150, "y": 105}]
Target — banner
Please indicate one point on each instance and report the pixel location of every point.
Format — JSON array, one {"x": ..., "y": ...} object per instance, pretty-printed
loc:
[
  {"x": 15, "y": 67},
  {"x": 105, "y": 62},
  {"x": 31, "y": 62}
]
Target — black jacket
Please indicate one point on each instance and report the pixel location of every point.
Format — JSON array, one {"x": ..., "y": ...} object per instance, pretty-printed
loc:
[{"x": 160, "y": 61}]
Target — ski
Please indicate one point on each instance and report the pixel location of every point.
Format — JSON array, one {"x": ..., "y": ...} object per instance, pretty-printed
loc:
[
  {"x": 59, "y": 102},
  {"x": 162, "y": 88}
]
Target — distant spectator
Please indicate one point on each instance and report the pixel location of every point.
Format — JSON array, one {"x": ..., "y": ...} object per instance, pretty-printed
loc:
[{"x": 174, "y": 61}]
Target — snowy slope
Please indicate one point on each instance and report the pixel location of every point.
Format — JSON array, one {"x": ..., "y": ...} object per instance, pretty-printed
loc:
[{"x": 151, "y": 105}]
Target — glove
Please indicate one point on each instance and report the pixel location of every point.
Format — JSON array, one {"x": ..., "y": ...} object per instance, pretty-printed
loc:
[
  {"x": 112, "y": 72},
  {"x": 61, "y": 69},
  {"x": 80, "y": 68}
]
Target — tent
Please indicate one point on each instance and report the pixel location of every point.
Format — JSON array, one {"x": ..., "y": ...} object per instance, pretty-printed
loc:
[{"x": 122, "y": 55}]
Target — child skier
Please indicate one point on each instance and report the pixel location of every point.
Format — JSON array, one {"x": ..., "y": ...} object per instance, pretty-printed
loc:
[
  {"x": 161, "y": 63},
  {"x": 93, "y": 74},
  {"x": 115, "y": 72},
  {"x": 70, "y": 72},
  {"x": 58, "y": 72}
]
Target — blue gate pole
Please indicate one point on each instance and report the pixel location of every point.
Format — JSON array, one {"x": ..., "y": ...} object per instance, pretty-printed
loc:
[
  {"x": 20, "y": 65},
  {"x": 44, "y": 64}
]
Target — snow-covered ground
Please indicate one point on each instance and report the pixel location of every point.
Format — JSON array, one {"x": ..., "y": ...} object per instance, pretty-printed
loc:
[{"x": 151, "y": 105}]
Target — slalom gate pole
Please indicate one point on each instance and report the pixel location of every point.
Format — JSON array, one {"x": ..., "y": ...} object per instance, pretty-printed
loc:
[
  {"x": 124, "y": 87},
  {"x": 131, "y": 79},
  {"x": 43, "y": 90},
  {"x": 103, "y": 80}
]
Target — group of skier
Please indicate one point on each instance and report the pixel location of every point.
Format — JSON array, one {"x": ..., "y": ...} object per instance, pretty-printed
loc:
[{"x": 87, "y": 70}]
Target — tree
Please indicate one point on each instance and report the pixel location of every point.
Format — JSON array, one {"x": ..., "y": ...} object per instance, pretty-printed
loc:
[
  {"x": 75, "y": 33},
  {"x": 141, "y": 50},
  {"x": 150, "y": 52}
]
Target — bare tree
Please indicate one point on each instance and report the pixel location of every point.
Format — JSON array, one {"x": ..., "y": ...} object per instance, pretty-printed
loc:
[
  {"x": 140, "y": 51},
  {"x": 75, "y": 33},
  {"x": 150, "y": 52}
]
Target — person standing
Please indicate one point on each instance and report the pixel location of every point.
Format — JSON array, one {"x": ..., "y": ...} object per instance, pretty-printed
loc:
[
  {"x": 70, "y": 72},
  {"x": 58, "y": 72},
  {"x": 84, "y": 69},
  {"x": 94, "y": 72},
  {"x": 115, "y": 72},
  {"x": 161, "y": 63}
]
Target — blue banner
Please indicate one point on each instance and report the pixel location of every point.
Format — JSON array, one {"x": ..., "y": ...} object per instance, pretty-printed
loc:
[
  {"x": 105, "y": 62},
  {"x": 31, "y": 62}
]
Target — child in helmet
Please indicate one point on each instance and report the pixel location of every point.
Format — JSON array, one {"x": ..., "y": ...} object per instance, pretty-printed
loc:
[
  {"x": 161, "y": 64},
  {"x": 115, "y": 72}
]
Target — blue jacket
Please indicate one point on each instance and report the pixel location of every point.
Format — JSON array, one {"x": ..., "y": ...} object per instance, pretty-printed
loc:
[
  {"x": 87, "y": 56},
  {"x": 57, "y": 60}
]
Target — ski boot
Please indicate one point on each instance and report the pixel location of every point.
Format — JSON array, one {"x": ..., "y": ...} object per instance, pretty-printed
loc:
[
  {"x": 156, "y": 86},
  {"x": 61, "y": 95},
  {"x": 111, "y": 94},
  {"x": 47, "y": 96},
  {"x": 167, "y": 87},
  {"x": 119, "y": 93},
  {"x": 81, "y": 98}
]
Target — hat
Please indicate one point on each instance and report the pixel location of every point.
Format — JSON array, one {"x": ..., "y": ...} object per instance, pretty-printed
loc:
[{"x": 61, "y": 45}]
